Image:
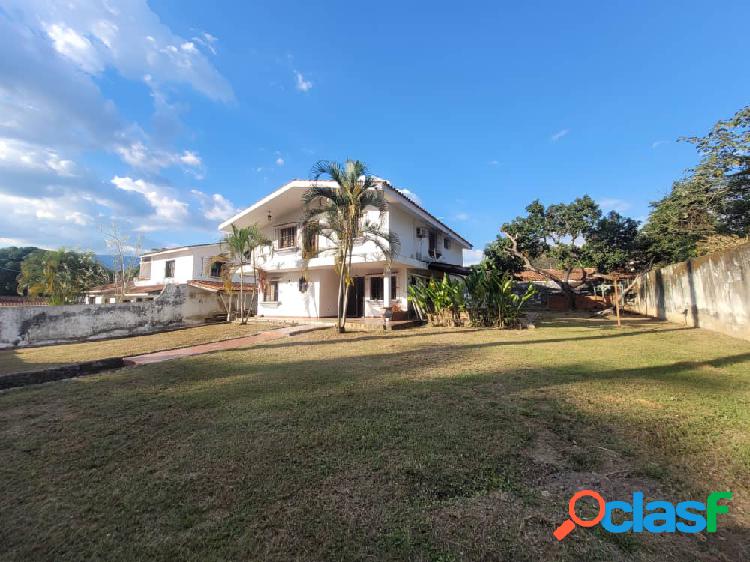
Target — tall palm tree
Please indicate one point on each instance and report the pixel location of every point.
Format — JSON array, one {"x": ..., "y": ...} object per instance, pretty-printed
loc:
[
  {"x": 236, "y": 245},
  {"x": 337, "y": 215},
  {"x": 256, "y": 242}
]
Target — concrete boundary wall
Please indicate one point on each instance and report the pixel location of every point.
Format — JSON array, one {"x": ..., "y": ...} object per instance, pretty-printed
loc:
[
  {"x": 177, "y": 305},
  {"x": 711, "y": 292}
]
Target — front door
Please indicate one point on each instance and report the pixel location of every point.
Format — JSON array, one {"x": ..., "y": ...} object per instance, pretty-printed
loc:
[{"x": 355, "y": 302}]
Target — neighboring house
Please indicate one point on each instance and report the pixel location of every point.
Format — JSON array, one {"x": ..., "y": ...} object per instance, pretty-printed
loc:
[
  {"x": 180, "y": 265},
  {"x": 578, "y": 276},
  {"x": 197, "y": 267},
  {"x": 292, "y": 288}
]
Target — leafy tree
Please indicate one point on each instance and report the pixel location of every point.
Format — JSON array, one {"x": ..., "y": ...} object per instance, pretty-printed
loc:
[
  {"x": 725, "y": 152},
  {"x": 497, "y": 256},
  {"x": 10, "y": 267},
  {"x": 559, "y": 231},
  {"x": 62, "y": 275},
  {"x": 337, "y": 214},
  {"x": 613, "y": 244},
  {"x": 712, "y": 200}
]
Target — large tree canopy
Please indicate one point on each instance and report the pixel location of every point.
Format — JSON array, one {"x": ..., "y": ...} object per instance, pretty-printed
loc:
[
  {"x": 712, "y": 202},
  {"x": 62, "y": 275},
  {"x": 613, "y": 244},
  {"x": 572, "y": 235}
]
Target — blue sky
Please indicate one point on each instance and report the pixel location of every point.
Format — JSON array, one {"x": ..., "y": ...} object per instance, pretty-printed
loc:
[{"x": 167, "y": 116}]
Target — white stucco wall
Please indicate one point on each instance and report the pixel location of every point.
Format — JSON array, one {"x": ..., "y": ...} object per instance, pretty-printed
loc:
[
  {"x": 404, "y": 225},
  {"x": 189, "y": 264},
  {"x": 178, "y": 305}
]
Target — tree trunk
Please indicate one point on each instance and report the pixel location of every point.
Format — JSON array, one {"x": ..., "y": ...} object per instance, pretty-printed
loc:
[
  {"x": 242, "y": 295},
  {"x": 567, "y": 290},
  {"x": 340, "y": 302}
]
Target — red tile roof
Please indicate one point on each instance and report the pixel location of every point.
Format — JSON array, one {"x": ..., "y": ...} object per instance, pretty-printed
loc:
[
  {"x": 575, "y": 275},
  {"x": 218, "y": 285},
  {"x": 112, "y": 288}
]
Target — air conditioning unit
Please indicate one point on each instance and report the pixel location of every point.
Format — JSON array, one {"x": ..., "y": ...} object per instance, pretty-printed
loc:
[{"x": 421, "y": 232}]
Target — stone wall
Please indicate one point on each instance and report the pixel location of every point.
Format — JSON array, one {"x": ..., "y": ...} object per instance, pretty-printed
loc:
[
  {"x": 711, "y": 292},
  {"x": 178, "y": 305}
]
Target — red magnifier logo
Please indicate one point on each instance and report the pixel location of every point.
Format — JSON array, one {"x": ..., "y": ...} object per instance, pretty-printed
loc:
[{"x": 569, "y": 524}]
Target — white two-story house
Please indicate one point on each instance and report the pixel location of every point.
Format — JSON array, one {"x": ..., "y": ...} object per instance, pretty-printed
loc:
[{"x": 293, "y": 288}]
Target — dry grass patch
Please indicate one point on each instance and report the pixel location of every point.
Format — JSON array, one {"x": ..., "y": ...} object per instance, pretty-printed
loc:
[
  {"x": 34, "y": 358},
  {"x": 429, "y": 444}
]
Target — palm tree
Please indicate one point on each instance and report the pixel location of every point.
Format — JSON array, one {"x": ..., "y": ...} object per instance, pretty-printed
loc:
[
  {"x": 336, "y": 214},
  {"x": 237, "y": 246},
  {"x": 256, "y": 241}
]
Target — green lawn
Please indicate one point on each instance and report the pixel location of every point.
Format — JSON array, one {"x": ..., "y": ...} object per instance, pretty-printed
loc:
[
  {"x": 427, "y": 444},
  {"x": 34, "y": 358}
]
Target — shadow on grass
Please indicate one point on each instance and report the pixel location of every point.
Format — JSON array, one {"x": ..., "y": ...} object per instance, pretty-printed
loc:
[
  {"x": 510, "y": 342},
  {"x": 372, "y": 454}
]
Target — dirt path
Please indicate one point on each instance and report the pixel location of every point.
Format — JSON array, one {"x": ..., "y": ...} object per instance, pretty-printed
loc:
[{"x": 167, "y": 355}]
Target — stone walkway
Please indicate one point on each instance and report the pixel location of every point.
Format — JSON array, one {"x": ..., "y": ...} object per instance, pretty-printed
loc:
[{"x": 235, "y": 343}]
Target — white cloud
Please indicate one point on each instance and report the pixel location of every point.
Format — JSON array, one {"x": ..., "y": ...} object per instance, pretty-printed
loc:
[
  {"x": 462, "y": 216},
  {"x": 472, "y": 257},
  {"x": 141, "y": 157},
  {"x": 165, "y": 206},
  {"x": 20, "y": 154},
  {"x": 279, "y": 161},
  {"x": 77, "y": 48},
  {"x": 613, "y": 204},
  {"x": 45, "y": 209},
  {"x": 191, "y": 159},
  {"x": 559, "y": 134},
  {"x": 410, "y": 195},
  {"x": 133, "y": 40},
  {"x": 301, "y": 84},
  {"x": 657, "y": 144},
  {"x": 215, "y": 207},
  {"x": 54, "y": 116},
  {"x": 494, "y": 163}
]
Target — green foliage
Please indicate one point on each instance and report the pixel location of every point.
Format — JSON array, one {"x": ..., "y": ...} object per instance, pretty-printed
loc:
[
  {"x": 713, "y": 199},
  {"x": 556, "y": 231},
  {"x": 10, "y": 267},
  {"x": 613, "y": 243},
  {"x": 62, "y": 275},
  {"x": 240, "y": 248},
  {"x": 497, "y": 255},
  {"x": 439, "y": 302},
  {"x": 490, "y": 299},
  {"x": 337, "y": 214},
  {"x": 486, "y": 295}
]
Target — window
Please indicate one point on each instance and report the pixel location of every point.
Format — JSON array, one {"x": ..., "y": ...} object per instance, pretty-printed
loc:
[
  {"x": 376, "y": 288},
  {"x": 447, "y": 243},
  {"x": 145, "y": 269},
  {"x": 271, "y": 291},
  {"x": 169, "y": 269},
  {"x": 288, "y": 237},
  {"x": 216, "y": 269},
  {"x": 431, "y": 243}
]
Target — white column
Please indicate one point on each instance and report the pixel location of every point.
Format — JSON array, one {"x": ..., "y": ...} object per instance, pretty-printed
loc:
[{"x": 386, "y": 288}]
